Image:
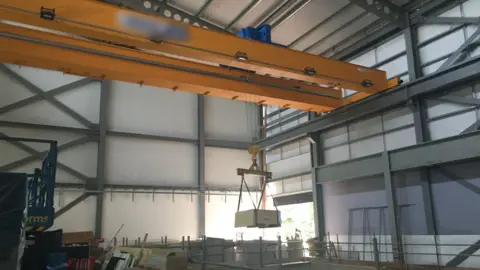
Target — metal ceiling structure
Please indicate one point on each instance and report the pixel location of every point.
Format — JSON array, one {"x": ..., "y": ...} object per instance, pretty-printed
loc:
[{"x": 327, "y": 27}]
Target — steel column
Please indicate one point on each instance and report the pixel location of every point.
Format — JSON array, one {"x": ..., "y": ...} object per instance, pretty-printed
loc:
[
  {"x": 411, "y": 45},
  {"x": 422, "y": 135},
  {"x": 317, "y": 159},
  {"x": 101, "y": 154},
  {"x": 392, "y": 204},
  {"x": 201, "y": 165}
]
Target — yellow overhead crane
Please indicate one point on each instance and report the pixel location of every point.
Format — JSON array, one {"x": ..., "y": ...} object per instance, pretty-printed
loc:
[{"x": 83, "y": 38}]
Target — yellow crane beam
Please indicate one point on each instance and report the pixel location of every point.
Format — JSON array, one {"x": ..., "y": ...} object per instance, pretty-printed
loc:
[
  {"x": 93, "y": 19},
  {"x": 23, "y": 46}
]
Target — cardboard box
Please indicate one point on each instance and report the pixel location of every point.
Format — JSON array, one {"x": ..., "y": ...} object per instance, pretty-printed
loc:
[
  {"x": 167, "y": 259},
  {"x": 78, "y": 237}
]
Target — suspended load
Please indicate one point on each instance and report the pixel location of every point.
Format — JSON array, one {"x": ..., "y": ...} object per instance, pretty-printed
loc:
[{"x": 256, "y": 217}]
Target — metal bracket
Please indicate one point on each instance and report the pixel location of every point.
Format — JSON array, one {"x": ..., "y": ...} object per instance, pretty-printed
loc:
[
  {"x": 384, "y": 9},
  {"x": 47, "y": 13}
]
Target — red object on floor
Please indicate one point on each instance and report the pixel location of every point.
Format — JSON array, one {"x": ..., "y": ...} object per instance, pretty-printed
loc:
[{"x": 81, "y": 264}]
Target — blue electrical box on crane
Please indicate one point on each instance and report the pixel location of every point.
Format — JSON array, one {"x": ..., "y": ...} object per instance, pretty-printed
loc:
[{"x": 261, "y": 33}]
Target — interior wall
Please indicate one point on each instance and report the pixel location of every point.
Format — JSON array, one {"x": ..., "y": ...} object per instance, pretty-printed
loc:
[
  {"x": 231, "y": 120},
  {"x": 389, "y": 131},
  {"x": 150, "y": 142},
  {"x": 437, "y": 42},
  {"x": 158, "y": 215},
  {"x": 78, "y": 219},
  {"x": 221, "y": 167}
]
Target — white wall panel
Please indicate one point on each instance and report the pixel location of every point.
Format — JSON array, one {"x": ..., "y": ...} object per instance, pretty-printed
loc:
[
  {"x": 307, "y": 183},
  {"x": 429, "y": 31},
  {"x": 147, "y": 162},
  {"x": 451, "y": 126},
  {"x": 221, "y": 166},
  {"x": 292, "y": 185},
  {"x": 365, "y": 128},
  {"x": 433, "y": 67},
  {"x": 442, "y": 46},
  {"x": 395, "y": 67},
  {"x": 397, "y": 118},
  {"x": 297, "y": 164},
  {"x": 274, "y": 154},
  {"x": 82, "y": 158},
  {"x": 290, "y": 150},
  {"x": 151, "y": 110},
  {"x": 390, "y": 48},
  {"x": 337, "y": 154},
  {"x": 159, "y": 215},
  {"x": 439, "y": 108},
  {"x": 12, "y": 91},
  {"x": 335, "y": 136},
  {"x": 60, "y": 137},
  {"x": 84, "y": 100},
  {"x": 41, "y": 112},
  {"x": 231, "y": 120},
  {"x": 367, "y": 147},
  {"x": 471, "y": 8},
  {"x": 42, "y": 78},
  {"x": 400, "y": 138},
  {"x": 289, "y": 186},
  {"x": 10, "y": 153},
  {"x": 367, "y": 59},
  {"x": 61, "y": 176},
  {"x": 78, "y": 219}
]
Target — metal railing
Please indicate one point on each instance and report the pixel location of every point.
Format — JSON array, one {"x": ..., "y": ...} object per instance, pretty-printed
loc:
[{"x": 257, "y": 254}]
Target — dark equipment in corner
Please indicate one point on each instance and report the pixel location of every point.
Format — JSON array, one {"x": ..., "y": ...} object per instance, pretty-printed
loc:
[{"x": 26, "y": 201}]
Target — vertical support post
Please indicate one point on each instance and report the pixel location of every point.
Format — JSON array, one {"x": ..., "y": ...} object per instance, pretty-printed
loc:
[
  {"x": 317, "y": 159},
  {"x": 201, "y": 165},
  {"x": 280, "y": 251},
  {"x": 392, "y": 209},
  {"x": 411, "y": 45},
  {"x": 189, "y": 248},
  {"x": 204, "y": 253},
  {"x": 422, "y": 135},
  {"x": 376, "y": 253},
  {"x": 260, "y": 245},
  {"x": 101, "y": 154}
]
